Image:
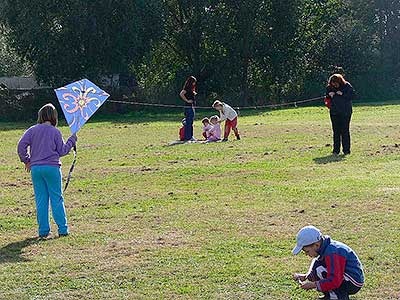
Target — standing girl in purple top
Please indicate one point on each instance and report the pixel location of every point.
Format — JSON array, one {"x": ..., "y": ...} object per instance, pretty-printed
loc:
[{"x": 46, "y": 146}]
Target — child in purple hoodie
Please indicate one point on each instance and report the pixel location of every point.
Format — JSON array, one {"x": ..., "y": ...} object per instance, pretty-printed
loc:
[{"x": 46, "y": 146}]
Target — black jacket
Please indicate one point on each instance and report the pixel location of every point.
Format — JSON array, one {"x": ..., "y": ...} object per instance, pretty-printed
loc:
[
  {"x": 341, "y": 104},
  {"x": 190, "y": 95}
]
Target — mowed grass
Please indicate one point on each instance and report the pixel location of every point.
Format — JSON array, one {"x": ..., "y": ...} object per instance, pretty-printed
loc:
[{"x": 206, "y": 221}]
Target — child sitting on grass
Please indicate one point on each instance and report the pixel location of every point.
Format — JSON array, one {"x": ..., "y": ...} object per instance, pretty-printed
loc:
[
  {"x": 229, "y": 115},
  {"x": 335, "y": 270},
  {"x": 206, "y": 127},
  {"x": 182, "y": 130},
  {"x": 215, "y": 132}
]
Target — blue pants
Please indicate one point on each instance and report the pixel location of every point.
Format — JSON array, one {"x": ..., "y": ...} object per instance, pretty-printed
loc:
[
  {"x": 342, "y": 293},
  {"x": 189, "y": 115},
  {"x": 47, "y": 187}
]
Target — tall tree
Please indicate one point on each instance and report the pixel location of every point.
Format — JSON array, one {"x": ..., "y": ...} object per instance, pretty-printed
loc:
[
  {"x": 65, "y": 40},
  {"x": 238, "y": 33},
  {"x": 11, "y": 64},
  {"x": 388, "y": 20}
]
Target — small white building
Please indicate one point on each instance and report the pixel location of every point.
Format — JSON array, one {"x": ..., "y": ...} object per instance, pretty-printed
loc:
[{"x": 21, "y": 83}]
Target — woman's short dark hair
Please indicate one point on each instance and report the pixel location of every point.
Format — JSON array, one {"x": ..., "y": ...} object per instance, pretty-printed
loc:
[
  {"x": 48, "y": 113},
  {"x": 337, "y": 78}
]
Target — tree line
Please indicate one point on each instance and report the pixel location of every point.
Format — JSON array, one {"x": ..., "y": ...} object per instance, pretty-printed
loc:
[{"x": 249, "y": 52}]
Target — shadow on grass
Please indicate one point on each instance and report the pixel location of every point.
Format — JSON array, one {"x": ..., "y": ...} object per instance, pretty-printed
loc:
[
  {"x": 12, "y": 253},
  {"x": 328, "y": 159}
]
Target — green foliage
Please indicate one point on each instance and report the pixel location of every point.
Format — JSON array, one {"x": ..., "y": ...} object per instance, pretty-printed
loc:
[
  {"x": 387, "y": 19},
  {"x": 247, "y": 52},
  {"x": 254, "y": 52},
  {"x": 11, "y": 64},
  {"x": 67, "y": 40}
]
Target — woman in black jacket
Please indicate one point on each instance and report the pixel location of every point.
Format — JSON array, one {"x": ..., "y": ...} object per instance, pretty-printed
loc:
[{"x": 341, "y": 94}]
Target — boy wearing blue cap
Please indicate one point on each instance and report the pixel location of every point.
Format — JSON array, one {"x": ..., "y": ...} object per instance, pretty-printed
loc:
[{"x": 335, "y": 270}]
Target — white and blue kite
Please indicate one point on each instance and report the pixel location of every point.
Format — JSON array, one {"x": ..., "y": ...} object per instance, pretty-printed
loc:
[{"x": 79, "y": 101}]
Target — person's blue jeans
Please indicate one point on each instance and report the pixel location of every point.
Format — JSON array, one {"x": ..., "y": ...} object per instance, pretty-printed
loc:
[
  {"x": 47, "y": 187},
  {"x": 189, "y": 115}
]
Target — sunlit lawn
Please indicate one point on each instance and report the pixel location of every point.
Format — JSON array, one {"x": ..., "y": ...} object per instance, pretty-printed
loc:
[{"x": 205, "y": 221}]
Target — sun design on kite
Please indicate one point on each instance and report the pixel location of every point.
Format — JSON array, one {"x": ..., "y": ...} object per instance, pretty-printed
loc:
[{"x": 79, "y": 99}]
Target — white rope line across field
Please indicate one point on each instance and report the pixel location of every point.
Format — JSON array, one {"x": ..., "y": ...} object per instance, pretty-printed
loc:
[{"x": 295, "y": 103}]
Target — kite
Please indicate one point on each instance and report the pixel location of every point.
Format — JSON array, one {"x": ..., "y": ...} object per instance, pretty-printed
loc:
[{"x": 79, "y": 101}]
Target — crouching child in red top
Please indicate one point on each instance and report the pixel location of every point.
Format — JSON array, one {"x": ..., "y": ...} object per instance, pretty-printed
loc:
[
  {"x": 182, "y": 130},
  {"x": 335, "y": 271}
]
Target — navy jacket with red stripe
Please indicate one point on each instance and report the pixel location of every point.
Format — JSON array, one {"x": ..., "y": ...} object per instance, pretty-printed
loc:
[{"x": 341, "y": 263}]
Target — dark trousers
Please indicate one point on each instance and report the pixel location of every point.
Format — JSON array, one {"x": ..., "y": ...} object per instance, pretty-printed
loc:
[
  {"x": 189, "y": 115},
  {"x": 341, "y": 293},
  {"x": 341, "y": 132}
]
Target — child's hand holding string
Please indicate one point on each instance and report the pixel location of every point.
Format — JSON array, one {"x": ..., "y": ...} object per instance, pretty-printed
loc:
[{"x": 28, "y": 166}]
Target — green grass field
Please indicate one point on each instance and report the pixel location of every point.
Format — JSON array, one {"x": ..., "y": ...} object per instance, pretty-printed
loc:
[{"x": 205, "y": 221}]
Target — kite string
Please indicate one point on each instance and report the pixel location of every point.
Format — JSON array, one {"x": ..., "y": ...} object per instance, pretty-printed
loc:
[
  {"x": 71, "y": 170},
  {"x": 198, "y": 107},
  {"x": 295, "y": 103}
]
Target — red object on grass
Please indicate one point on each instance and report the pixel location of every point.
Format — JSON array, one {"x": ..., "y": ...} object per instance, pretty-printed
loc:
[
  {"x": 182, "y": 133},
  {"x": 327, "y": 102}
]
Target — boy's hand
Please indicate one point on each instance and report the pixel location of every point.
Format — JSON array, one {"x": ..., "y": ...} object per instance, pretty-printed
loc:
[
  {"x": 28, "y": 167},
  {"x": 331, "y": 94},
  {"x": 339, "y": 93},
  {"x": 301, "y": 277},
  {"x": 308, "y": 285}
]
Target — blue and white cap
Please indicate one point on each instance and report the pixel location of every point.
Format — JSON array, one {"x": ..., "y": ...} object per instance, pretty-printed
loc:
[{"x": 306, "y": 236}]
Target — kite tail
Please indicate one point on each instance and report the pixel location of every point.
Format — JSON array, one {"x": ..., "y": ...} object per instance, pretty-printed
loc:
[{"x": 70, "y": 170}]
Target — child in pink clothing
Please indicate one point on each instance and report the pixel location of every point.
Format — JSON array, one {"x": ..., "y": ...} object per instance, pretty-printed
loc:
[
  {"x": 215, "y": 132},
  {"x": 230, "y": 116},
  {"x": 206, "y": 127}
]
